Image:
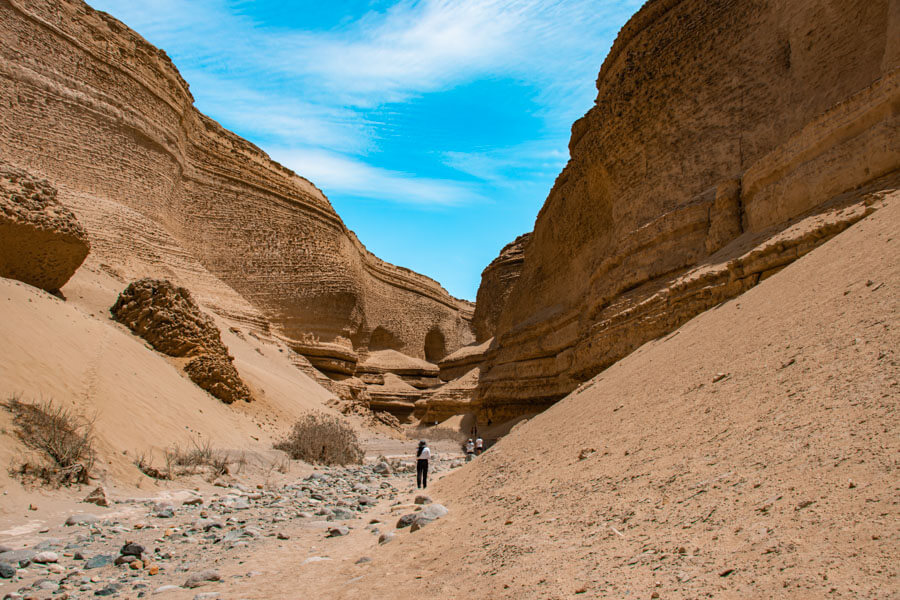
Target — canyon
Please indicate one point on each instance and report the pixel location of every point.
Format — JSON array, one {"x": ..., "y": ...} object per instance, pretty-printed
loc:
[{"x": 686, "y": 373}]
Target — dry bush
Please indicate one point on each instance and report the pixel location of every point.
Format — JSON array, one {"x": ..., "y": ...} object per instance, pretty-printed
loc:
[
  {"x": 62, "y": 440},
  {"x": 323, "y": 439},
  {"x": 145, "y": 464},
  {"x": 198, "y": 458}
]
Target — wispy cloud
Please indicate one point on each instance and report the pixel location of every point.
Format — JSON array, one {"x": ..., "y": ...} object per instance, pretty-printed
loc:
[
  {"x": 507, "y": 166},
  {"x": 336, "y": 173}
]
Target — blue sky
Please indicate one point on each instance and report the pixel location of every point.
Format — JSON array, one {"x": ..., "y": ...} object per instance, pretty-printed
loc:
[{"x": 435, "y": 127}]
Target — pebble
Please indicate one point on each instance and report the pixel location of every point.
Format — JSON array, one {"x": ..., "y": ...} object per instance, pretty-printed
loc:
[
  {"x": 7, "y": 571},
  {"x": 198, "y": 579},
  {"x": 100, "y": 560},
  {"x": 338, "y": 531},
  {"x": 45, "y": 557},
  {"x": 166, "y": 588},
  {"x": 386, "y": 537},
  {"x": 82, "y": 519}
]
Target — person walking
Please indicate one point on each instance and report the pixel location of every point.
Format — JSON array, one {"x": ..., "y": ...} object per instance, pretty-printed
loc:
[
  {"x": 470, "y": 449},
  {"x": 423, "y": 454},
  {"x": 479, "y": 446}
]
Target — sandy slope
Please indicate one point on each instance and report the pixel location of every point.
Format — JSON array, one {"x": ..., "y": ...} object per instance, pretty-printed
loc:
[
  {"x": 73, "y": 353},
  {"x": 778, "y": 480}
]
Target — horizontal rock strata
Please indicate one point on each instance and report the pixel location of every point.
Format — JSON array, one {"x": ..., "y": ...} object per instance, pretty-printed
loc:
[
  {"x": 41, "y": 242},
  {"x": 92, "y": 106},
  {"x": 497, "y": 281},
  {"x": 716, "y": 122}
]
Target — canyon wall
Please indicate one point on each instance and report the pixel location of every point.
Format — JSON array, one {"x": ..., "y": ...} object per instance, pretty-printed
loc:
[
  {"x": 497, "y": 281},
  {"x": 104, "y": 115},
  {"x": 717, "y": 124}
]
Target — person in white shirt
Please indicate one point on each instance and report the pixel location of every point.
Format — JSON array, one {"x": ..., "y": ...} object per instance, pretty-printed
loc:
[
  {"x": 423, "y": 454},
  {"x": 479, "y": 446},
  {"x": 470, "y": 449}
]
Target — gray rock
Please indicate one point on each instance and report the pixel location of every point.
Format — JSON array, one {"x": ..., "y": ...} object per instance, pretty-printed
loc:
[
  {"x": 367, "y": 500},
  {"x": 109, "y": 590},
  {"x": 7, "y": 571},
  {"x": 338, "y": 531},
  {"x": 132, "y": 549},
  {"x": 100, "y": 560},
  {"x": 429, "y": 514},
  {"x": 363, "y": 559},
  {"x": 166, "y": 588},
  {"x": 82, "y": 519},
  {"x": 206, "y": 596},
  {"x": 20, "y": 557},
  {"x": 382, "y": 468},
  {"x": 342, "y": 514},
  {"x": 198, "y": 579},
  {"x": 386, "y": 537},
  {"x": 406, "y": 520},
  {"x": 46, "y": 585}
]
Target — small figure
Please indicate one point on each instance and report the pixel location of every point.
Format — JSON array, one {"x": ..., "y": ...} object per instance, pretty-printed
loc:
[
  {"x": 470, "y": 449},
  {"x": 423, "y": 453},
  {"x": 479, "y": 446}
]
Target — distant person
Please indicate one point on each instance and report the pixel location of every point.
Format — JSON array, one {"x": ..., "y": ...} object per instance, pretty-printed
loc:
[
  {"x": 479, "y": 446},
  {"x": 470, "y": 449},
  {"x": 423, "y": 454}
]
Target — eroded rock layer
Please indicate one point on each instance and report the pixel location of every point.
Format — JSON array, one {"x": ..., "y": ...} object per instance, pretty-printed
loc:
[
  {"x": 167, "y": 317},
  {"x": 41, "y": 242},
  {"x": 92, "y": 106},
  {"x": 497, "y": 281},
  {"x": 716, "y": 123}
]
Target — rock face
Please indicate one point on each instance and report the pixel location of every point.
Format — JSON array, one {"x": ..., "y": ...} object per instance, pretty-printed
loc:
[
  {"x": 41, "y": 241},
  {"x": 89, "y": 104},
  {"x": 716, "y": 124},
  {"x": 169, "y": 319},
  {"x": 497, "y": 281}
]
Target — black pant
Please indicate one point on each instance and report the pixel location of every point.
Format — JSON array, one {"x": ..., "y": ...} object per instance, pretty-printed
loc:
[{"x": 422, "y": 473}]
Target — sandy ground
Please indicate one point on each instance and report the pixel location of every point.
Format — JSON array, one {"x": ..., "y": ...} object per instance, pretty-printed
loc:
[{"x": 750, "y": 454}]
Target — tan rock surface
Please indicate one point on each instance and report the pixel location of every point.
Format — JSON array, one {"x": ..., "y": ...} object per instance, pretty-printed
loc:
[
  {"x": 714, "y": 121},
  {"x": 103, "y": 114},
  {"x": 169, "y": 319},
  {"x": 41, "y": 242},
  {"x": 497, "y": 281}
]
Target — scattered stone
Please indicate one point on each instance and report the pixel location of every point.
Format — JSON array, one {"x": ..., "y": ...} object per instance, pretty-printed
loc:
[
  {"x": 100, "y": 560},
  {"x": 382, "y": 468},
  {"x": 109, "y": 590},
  {"x": 386, "y": 537},
  {"x": 82, "y": 519},
  {"x": 719, "y": 377},
  {"x": 406, "y": 520},
  {"x": 198, "y": 579},
  {"x": 45, "y": 557},
  {"x": 283, "y": 536},
  {"x": 193, "y": 501},
  {"x": 132, "y": 549},
  {"x": 362, "y": 560},
  {"x": 422, "y": 499},
  {"x": 429, "y": 514},
  {"x": 7, "y": 571},
  {"x": 338, "y": 531},
  {"x": 98, "y": 497}
]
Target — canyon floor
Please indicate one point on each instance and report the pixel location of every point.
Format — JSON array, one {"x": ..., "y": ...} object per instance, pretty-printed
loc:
[{"x": 751, "y": 453}]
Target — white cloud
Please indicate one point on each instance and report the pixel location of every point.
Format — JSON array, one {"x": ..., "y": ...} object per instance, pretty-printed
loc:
[
  {"x": 333, "y": 172},
  {"x": 510, "y": 166}
]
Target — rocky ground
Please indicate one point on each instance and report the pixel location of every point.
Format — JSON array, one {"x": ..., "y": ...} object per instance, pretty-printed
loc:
[{"x": 185, "y": 543}]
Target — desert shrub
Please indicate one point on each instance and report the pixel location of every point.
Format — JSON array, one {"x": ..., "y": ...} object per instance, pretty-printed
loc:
[
  {"x": 199, "y": 457},
  {"x": 323, "y": 439},
  {"x": 62, "y": 441}
]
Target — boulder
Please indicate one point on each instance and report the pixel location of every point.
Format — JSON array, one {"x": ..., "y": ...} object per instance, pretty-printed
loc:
[
  {"x": 167, "y": 317},
  {"x": 429, "y": 514},
  {"x": 98, "y": 497},
  {"x": 41, "y": 241}
]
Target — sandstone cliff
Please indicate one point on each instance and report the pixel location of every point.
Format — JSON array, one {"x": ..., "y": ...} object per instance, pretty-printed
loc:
[
  {"x": 497, "y": 281},
  {"x": 716, "y": 125},
  {"x": 104, "y": 115}
]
